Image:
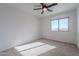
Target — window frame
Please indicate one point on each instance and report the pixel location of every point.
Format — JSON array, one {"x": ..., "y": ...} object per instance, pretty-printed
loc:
[{"x": 59, "y": 25}]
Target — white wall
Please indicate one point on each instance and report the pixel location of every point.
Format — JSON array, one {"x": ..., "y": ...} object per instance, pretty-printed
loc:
[
  {"x": 69, "y": 37},
  {"x": 78, "y": 27},
  {"x": 16, "y": 27}
]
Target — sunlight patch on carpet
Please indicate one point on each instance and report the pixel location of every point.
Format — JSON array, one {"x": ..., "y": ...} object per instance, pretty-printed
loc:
[{"x": 34, "y": 49}]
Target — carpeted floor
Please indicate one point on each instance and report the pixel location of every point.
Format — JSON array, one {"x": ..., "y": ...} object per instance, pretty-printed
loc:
[{"x": 43, "y": 47}]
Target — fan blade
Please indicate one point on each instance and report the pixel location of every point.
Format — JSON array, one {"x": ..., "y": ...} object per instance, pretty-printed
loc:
[
  {"x": 52, "y": 5},
  {"x": 42, "y": 12},
  {"x": 38, "y": 9},
  {"x": 42, "y": 4},
  {"x": 49, "y": 10}
]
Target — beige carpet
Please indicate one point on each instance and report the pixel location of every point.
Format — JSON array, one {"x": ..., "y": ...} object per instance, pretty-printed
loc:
[{"x": 43, "y": 47}]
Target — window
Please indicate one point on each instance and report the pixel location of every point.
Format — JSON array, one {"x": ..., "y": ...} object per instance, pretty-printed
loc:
[
  {"x": 60, "y": 24},
  {"x": 54, "y": 25}
]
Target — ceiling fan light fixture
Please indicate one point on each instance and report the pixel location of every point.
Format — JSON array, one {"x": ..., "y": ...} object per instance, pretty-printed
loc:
[{"x": 44, "y": 9}]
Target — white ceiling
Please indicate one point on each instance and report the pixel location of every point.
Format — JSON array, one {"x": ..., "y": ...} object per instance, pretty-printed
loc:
[{"x": 28, "y": 7}]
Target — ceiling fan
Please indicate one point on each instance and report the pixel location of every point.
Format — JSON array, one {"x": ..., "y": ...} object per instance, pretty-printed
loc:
[{"x": 44, "y": 7}]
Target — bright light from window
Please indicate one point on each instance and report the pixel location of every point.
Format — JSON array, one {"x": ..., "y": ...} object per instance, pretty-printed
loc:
[
  {"x": 28, "y": 46},
  {"x": 54, "y": 25},
  {"x": 63, "y": 23},
  {"x": 34, "y": 49},
  {"x": 60, "y": 25}
]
